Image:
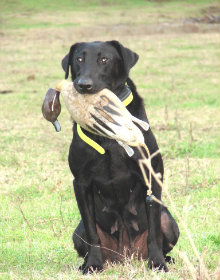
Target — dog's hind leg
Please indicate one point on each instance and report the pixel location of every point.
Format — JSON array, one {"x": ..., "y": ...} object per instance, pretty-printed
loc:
[
  {"x": 155, "y": 236},
  {"x": 169, "y": 229},
  {"x": 79, "y": 241}
]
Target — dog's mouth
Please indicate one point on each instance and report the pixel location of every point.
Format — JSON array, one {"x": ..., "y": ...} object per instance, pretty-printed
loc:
[
  {"x": 86, "y": 91},
  {"x": 86, "y": 86}
]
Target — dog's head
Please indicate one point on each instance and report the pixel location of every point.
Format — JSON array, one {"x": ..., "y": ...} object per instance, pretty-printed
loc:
[{"x": 98, "y": 65}]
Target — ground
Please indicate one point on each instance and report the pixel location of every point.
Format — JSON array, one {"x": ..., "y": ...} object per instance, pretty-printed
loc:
[{"x": 178, "y": 77}]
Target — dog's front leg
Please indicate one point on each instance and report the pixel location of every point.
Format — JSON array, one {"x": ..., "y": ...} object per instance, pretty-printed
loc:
[{"x": 85, "y": 203}]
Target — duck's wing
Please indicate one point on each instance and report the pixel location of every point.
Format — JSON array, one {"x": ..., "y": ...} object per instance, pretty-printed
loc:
[{"x": 112, "y": 112}]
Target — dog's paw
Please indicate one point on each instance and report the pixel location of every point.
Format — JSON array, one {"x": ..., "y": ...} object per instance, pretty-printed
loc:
[
  {"x": 157, "y": 264},
  {"x": 92, "y": 268},
  {"x": 94, "y": 261}
]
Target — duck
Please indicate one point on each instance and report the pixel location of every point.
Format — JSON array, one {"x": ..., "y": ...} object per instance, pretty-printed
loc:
[{"x": 102, "y": 113}]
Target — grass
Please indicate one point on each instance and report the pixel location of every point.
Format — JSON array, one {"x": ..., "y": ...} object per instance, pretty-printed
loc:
[{"x": 178, "y": 77}]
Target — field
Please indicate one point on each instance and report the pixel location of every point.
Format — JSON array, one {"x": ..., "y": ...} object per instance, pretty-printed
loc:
[{"x": 178, "y": 77}]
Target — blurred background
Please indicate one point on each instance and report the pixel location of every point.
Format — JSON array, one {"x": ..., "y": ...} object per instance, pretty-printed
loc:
[{"x": 177, "y": 75}]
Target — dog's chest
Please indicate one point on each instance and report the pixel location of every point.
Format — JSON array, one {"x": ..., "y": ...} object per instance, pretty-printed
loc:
[{"x": 115, "y": 180}]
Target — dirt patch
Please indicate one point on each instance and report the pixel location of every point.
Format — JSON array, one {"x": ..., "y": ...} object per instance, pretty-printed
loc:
[
  {"x": 5, "y": 91},
  {"x": 206, "y": 19},
  {"x": 211, "y": 15},
  {"x": 211, "y": 10}
]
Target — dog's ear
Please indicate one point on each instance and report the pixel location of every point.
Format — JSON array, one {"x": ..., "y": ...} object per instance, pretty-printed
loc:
[
  {"x": 65, "y": 65},
  {"x": 129, "y": 57},
  {"x": 66, "y": 61}
]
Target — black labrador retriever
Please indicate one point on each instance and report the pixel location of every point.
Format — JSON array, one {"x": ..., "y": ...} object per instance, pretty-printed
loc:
[{"x": 117, "y": 219}]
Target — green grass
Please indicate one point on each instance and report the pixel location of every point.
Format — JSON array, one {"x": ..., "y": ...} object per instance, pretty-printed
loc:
[
  {"x": 178, "y": 77},
  {"x": 67, "y": 4},
  {"x": 21, "y": 14}
]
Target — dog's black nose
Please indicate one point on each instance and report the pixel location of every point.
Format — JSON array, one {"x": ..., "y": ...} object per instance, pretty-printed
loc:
[{"x": 85, "y": 85}]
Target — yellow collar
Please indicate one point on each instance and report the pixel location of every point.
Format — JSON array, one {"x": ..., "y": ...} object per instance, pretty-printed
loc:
[{"x": 91, "y": 142}]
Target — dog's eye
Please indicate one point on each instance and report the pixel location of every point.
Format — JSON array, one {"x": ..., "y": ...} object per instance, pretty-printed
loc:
[
  {"x": 103, "y": 60},
  {"x": 79, "y": 59}
]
